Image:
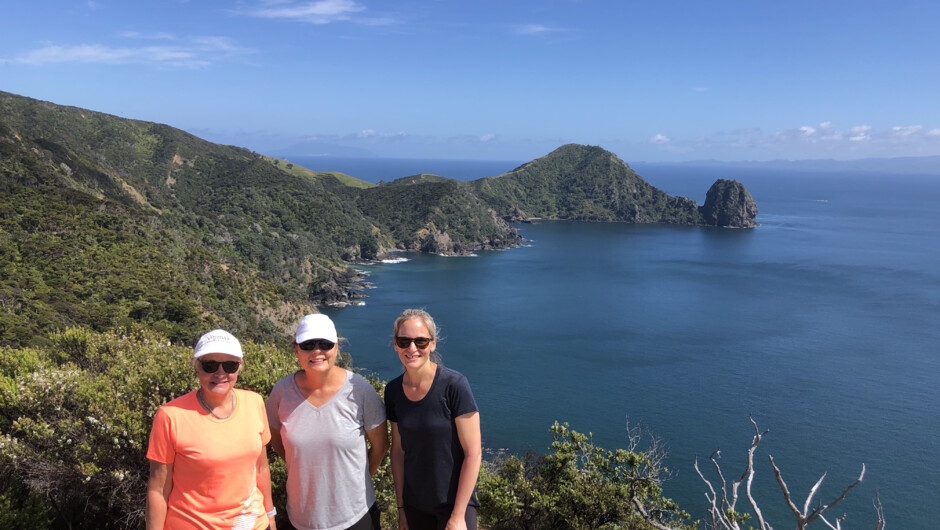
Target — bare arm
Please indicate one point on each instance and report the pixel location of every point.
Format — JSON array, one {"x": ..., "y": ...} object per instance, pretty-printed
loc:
[
  {"x": 398, "y": 474},
  {"x": 264, "y": 483},
  {"x": 468, "y": 432},
  {"x": 378, "y": 446},
  {"x": 158, "y": 493},
  {"x": 277, "y": 443}
]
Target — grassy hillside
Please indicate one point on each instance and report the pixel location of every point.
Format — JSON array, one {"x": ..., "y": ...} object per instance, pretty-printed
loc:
[{"x": 300, "y": 171}]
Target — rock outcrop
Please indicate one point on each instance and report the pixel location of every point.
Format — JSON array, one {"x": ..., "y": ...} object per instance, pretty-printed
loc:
[{"x": 729, "y": 204}]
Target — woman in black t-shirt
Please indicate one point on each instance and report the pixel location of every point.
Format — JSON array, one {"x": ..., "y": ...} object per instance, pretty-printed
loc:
[{"x": 436, "y": 449}]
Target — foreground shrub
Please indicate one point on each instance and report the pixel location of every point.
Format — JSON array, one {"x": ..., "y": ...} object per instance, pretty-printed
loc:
[
  {"x": 579, "y": 486},
  {"x": 75, "y": 421}
]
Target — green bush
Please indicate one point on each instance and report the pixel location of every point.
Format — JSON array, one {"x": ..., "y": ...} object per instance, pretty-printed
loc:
[
  {"x": 75, "y": 420},
  {"x": 577, "y": 486},
  {"x": 76, "y": 417}
]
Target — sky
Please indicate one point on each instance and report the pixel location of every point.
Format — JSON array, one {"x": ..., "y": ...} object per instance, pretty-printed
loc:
[{"x": 652, "y": 81}]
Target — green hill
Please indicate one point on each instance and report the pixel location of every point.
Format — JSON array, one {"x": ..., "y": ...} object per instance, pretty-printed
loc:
[
  {"x": 587, "y": 183},
  {"x": 435, "y": 214},
  {"x": 112, "y": 222},
  {"x": 107, "y": 222}
]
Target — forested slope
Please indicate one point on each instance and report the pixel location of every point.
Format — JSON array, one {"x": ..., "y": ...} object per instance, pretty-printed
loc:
[{"x": 108, "y": 222}]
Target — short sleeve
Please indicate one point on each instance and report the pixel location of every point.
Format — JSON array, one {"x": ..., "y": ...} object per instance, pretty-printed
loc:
[
  {"x": 262, "y": 415},
  {"x": 271, "y": 407},
  {"x": 390, "y": 402},
  {"x": 460, "y": 397},
  {"x": 162, "y": 448},
  {"x": 373, "y": 411}
]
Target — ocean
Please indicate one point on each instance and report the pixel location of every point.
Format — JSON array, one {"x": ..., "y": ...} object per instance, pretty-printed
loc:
[{"x": 823, "y": 324}]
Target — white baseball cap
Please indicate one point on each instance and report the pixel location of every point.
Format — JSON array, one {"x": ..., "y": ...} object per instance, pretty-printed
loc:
[
  {"x": 316, "y": 326},
  {"x": 218, "y": 341}
]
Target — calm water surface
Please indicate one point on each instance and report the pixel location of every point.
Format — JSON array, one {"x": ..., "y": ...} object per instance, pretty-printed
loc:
[{"x": 824, "y": 324}]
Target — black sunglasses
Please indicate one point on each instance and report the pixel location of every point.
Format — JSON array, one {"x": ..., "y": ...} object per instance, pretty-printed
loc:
[
  {"x": 317, "y": 344},
  {"x": 210, "y": 367},
  {"x": 420, "y": 342}
]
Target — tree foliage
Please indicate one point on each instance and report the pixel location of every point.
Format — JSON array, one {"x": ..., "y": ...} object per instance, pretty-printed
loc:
[
  {"x": 579, "y": 486},
  {"x": 75, "y": 419}
]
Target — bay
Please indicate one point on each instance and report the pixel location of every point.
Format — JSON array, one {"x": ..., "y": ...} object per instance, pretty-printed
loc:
[{"x": 822, "y": 324}]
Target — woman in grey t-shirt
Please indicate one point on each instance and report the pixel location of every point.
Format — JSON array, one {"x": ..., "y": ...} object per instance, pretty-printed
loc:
[{"x": 320, "y": 418}]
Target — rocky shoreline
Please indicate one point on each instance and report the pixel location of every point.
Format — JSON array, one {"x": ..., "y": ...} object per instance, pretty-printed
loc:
[{"x": 346, "y": 287}]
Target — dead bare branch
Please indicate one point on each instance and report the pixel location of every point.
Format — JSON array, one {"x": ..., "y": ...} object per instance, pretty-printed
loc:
[
  {"x": 649, "y": 519},
  {"x": 879, "y": 509},
  {"x": 758, "y": 436},
  {"x": 723, "y": 509}
]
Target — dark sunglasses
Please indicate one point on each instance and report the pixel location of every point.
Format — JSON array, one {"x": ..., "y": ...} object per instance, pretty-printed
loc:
[
  {"x": 420, "y": 342},
  {"x": 317, "y": 344},
  {"x": 210, "y": 367}
]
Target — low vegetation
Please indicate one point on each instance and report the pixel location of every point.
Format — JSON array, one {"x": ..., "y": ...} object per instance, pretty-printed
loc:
[{"x": 75, "y": 417}]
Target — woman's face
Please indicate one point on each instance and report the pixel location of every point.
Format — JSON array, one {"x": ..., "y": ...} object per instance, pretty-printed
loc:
[
  {"x": 313, "y": 358},
  {"x": 218, "y": 381},
  {"x": 411, "y": 356}
]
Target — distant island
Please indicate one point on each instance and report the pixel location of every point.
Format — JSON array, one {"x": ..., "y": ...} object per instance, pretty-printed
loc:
[{"x": 109, "y": 222}]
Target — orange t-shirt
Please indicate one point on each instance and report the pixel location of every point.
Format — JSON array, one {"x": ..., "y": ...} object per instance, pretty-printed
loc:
[{"x": 214, "y": 463}]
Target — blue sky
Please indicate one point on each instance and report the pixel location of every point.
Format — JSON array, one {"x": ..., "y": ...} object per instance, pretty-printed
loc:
[{"x": 652, "y": 81}]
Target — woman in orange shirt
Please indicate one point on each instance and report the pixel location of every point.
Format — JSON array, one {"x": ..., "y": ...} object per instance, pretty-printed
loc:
[{"x": 208, "y": 464}]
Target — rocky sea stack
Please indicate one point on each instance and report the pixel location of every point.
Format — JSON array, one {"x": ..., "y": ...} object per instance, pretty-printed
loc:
[{"x": 729, "y": 204}]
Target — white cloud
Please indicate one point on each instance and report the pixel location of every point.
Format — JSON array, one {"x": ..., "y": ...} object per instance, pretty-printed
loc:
[
  {"x": 317, "y": 12},
  {"x": 906, "y": 130},
  {"x": 371, "y": 135},
  {"x": 535, "y": 29},
  {"x": 860, "y": 133},
  {"x": 96, "y": 53},
  {"x": 824, "y": 140},
  {"x": 488, "y": 137},
  {"x": 196, "y": 53},
  {"x": 147, "y": 36},
  {"x": 700, "y": 89}
]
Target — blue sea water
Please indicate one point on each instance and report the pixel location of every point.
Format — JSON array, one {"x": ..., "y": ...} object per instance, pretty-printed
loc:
[{"x": 823, "y": 324}]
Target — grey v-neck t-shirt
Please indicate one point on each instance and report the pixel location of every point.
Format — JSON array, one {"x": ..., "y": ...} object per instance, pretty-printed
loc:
[{"x": 328, "y": 481}]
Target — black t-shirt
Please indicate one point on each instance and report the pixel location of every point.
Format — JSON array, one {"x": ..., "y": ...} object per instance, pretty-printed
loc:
[{"x": 428, "y": 432}]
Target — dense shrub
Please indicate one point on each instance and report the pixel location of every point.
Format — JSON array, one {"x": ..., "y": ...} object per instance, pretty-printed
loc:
[
  {"x": 577, "y": 486},
  {"x": 75, "y": 419}
]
